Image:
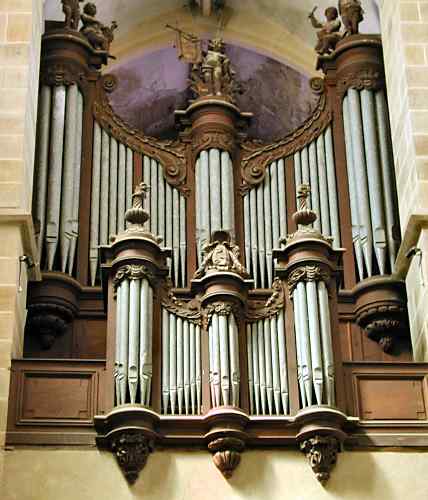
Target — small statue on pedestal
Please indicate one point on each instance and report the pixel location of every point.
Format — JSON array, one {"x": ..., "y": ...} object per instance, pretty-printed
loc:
[
  {"x": 351, "y": 13},
  {"x": 329, "y": 34},
  {"x": 71, "y": 9},
  {"x": 98, "y": 35}
]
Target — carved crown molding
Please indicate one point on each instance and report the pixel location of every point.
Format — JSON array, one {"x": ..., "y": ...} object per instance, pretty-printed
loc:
[
  {"x": 273, "y": 305},
  {"x": 133, "y": 272},
  {"x": 306, "y": 273},
  {"x": 257, "y": 156},
  {"x": 169, "y": 153},
  {"x": 363, "y": 79}
]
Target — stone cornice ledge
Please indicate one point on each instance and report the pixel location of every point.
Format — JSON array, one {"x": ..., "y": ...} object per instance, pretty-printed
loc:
[{"x": 25, "y": 223}]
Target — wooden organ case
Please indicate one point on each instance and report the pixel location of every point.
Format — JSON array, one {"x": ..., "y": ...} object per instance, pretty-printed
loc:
[{"x": 213, "y": 290}]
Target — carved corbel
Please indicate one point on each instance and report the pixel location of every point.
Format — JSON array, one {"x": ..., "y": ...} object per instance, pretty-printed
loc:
[
  {"x": 226, "y": 454},
  {"x": 131, "y": 449},
  {"x": 48, "y": 322},
  {"x": 321, "y": 452}
]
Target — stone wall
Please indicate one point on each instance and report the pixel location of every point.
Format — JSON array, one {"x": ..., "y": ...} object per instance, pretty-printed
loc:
[
  {"x": 20, "y": 32},
  {"x": 405, "y": 43}
]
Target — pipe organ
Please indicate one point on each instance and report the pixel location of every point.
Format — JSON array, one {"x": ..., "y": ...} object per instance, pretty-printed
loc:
[{"x": 230, "y": 282}]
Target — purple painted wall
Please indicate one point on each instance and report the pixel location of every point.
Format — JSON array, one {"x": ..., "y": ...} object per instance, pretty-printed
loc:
[{"x": 152, "y": 86}]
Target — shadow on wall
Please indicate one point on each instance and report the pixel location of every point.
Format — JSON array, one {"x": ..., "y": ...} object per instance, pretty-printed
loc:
[{"x": 152, "y": 86}]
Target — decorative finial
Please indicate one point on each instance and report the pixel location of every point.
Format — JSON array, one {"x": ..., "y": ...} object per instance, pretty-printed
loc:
[
  {"x": 137, "y": 216},
  {"x": 304, "y": 216}
]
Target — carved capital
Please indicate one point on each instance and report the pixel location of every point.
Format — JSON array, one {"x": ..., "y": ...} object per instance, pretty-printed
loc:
[
  {"x": 306, "y": 273},
  {"x": 133, "y": 272},
  {"x": 131, "y": 450},
  {"x": 321, "y": 451},
  {"x": 367, "y": 78},
  {"x": 61, "y": 74},
  {"x": 382, "y": 331},
  {"x": 226, "y": 454}
]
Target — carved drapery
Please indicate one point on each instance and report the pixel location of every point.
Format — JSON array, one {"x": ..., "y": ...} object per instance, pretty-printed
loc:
[{"x": 306, "y": 273}]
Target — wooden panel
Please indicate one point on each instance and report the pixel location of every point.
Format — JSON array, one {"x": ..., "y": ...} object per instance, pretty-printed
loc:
[
  {"x": 385, "y": 391},
  {"x": 53, "y": 397}
]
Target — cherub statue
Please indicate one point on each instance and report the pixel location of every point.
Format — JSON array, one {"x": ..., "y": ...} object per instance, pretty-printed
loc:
[
  {"x": 98, "y": 35},
  {"x": 351, "y": 13},
  {"x": 329, "y": 33},
  {"x": 220, "y": 254},
  {"x": 71, "y": 9},
  {"x": 216, "y": 66}
]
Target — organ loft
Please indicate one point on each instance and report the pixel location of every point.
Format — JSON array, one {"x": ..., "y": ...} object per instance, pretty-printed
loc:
[{"x": 208, "y": 286}]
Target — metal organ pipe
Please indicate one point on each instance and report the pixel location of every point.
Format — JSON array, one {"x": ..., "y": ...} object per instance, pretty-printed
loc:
[
  {"x": 265, "y": 202},
  {"x": 267, "y": 366},
  {"x": 214, "y": 195},
  {"x": 181, "y": 365},
  {"x": 371, "y": 181},
  {"x": 314, "y": 165}
]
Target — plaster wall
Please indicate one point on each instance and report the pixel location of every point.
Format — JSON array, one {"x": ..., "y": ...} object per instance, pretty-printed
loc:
[{"x": 45, "y": 474}]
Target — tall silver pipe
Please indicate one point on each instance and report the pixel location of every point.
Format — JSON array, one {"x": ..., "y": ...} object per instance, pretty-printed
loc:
[
  {"x": 55, "y": 173},
  {"x": 250, "y": 368},
  {"x": 306, "y": 178},
  {"x": 282, "y": 200},
  {"x": 198, "y": 369},
  {"x": 374, "y": 176},
  {"x": 76, "y": 184},
  {"x": 124, "y": 341},
  {"x": 146, "y": 324},
  {"x": 282, "y": 354},
  {"x": 205, "y": 195},
  {"x": 129, "y": 177},
  {"x": 274, "y": 190},
  {"x": 104, "y": 191},
  {"x": 256, "y": 373},
  {"x": 172, "y": 361},
  {"x": 95, "y": 203},
  {"x": 227, "y": 205},
  {"x": 121, "y": 188},
  {"x": 261, "y": 235},
  {"x": 119, "y": 334},
  {"x": 268, "y": 364},
  {"x": 298, "y": 334},
  {"x": 262, "y": 364},
  {"x": 199, "y": 233},
  {"x": 68, "y": 172},
  {"x": 254, "y": 237},
  {"x": 326, "y": 341},
  {"x": 192, "y": 374},
  {"x": 215, "y": 189},
  {"x": 353, "y": 195},
  {"x": 211, "y": 363},
  {"x": 297, "y": 170},
  {"x": 216, "y": 359},
  {"x": 182, "y": 240},
  {"x": 276, "y": 383},
  {"x": 268, "y": 226},
  {"x": 165, "y": 360},
  {"x": 148, "y": 179},
  {"x": 305, "y": 344},
  {"x": 112, "y": 217},
  {"x": 176, "y": 234},
  {"x": 332, "y": 188},
  {"x": 361, "y": 177},
  {"x": 234, "y": 359},
  {"x": 134, "y": 338},
  {"x": 314, "y": 175},
  {"x": 224, "y": 358},
  {"x": 247, "y": 233},
  {"x": 154, "y": 196},
  {"x": 40, "y": 179},
  {"x": 180, "y": 365},
  {"x": 315, "y": 339},
  {"x": 323, "y": 188},
  {"x": 161, "y": 205},
  {"x": 186, "y": 369},
  {"x": 388, "y": 177}
]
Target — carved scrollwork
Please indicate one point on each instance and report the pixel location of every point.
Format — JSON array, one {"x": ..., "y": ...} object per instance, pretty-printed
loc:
[
  {"x": 306, "y": 273},
  {"x": 321, "y": 451},
  {"x": 273, "y": 305},
  {"x": 109, "y": 82},
  {"x": 317, "y": 85},
  {"x": 131, "y": 450},
  {"x": 170, "y": 154},
  {"x": 213, "y": 139},
  {"x": 257, "y": 156},
  {"x": 367, "y": 78},
  {"x": 226, "y": 454},
  {"x": 133, "y": 272},
  {"x": 190, "y": 310},
  {"x": 61, "y": 74}
]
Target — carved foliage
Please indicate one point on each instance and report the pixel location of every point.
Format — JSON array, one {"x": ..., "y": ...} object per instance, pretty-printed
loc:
[
  {"x": 306, "y": 273},
  {"x": 226, "y": 454},
  {"x": 170, "y": 154},
  {"x": 190, "y": 310},
  {"x": 367, "y": 78},
  {"x": 56, "y": 74},
  {"x": 133, "y": 272},
  {"x": 223, "y": 140},
  {"x": 273, "y": 305},
  {"x": 256, "y": 156},
  {"x": 131, "y": 450},
  {"x": 321, "y": 451}
]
